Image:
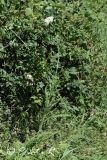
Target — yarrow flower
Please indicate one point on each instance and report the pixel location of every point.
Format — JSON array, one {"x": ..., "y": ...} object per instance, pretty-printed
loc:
[
  {"x": 29, "y": 78},
  {"x": 48, "y": 20}
]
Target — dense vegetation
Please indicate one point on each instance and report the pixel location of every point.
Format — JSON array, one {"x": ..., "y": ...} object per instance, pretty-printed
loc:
[{"x": 53, "y": 80}]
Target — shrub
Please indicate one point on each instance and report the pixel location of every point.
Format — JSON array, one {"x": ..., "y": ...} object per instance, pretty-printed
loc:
[{"x": 45, "y": 67}]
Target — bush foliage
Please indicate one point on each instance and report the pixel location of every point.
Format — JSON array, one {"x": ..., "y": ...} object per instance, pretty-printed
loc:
[{"x": 55, "y": 67}]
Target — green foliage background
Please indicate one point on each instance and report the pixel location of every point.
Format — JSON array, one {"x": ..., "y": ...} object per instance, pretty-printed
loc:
[{"x": 67, "y": 61}]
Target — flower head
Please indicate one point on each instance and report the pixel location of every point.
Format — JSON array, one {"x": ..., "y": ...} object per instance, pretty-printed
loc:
[
  {"x": 29, "y": 77},
  {"x": 48, "y": 20}
]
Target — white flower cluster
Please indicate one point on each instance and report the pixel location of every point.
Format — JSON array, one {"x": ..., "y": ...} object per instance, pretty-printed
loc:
[
  {"x": 29, "y": 79},
  {"x": 49, "y": 20}
]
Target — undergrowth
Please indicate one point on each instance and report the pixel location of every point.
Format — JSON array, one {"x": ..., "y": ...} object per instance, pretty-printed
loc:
[{"x": 53, "y": 80}]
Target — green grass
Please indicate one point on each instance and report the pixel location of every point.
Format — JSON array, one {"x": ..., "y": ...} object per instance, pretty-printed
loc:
[{"x": 71, "y": 139}]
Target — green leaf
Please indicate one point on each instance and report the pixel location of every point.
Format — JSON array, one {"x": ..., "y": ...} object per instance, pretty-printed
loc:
[
  {"x": 2, "y": 2},
  {"x": 29, "y": 12}
]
